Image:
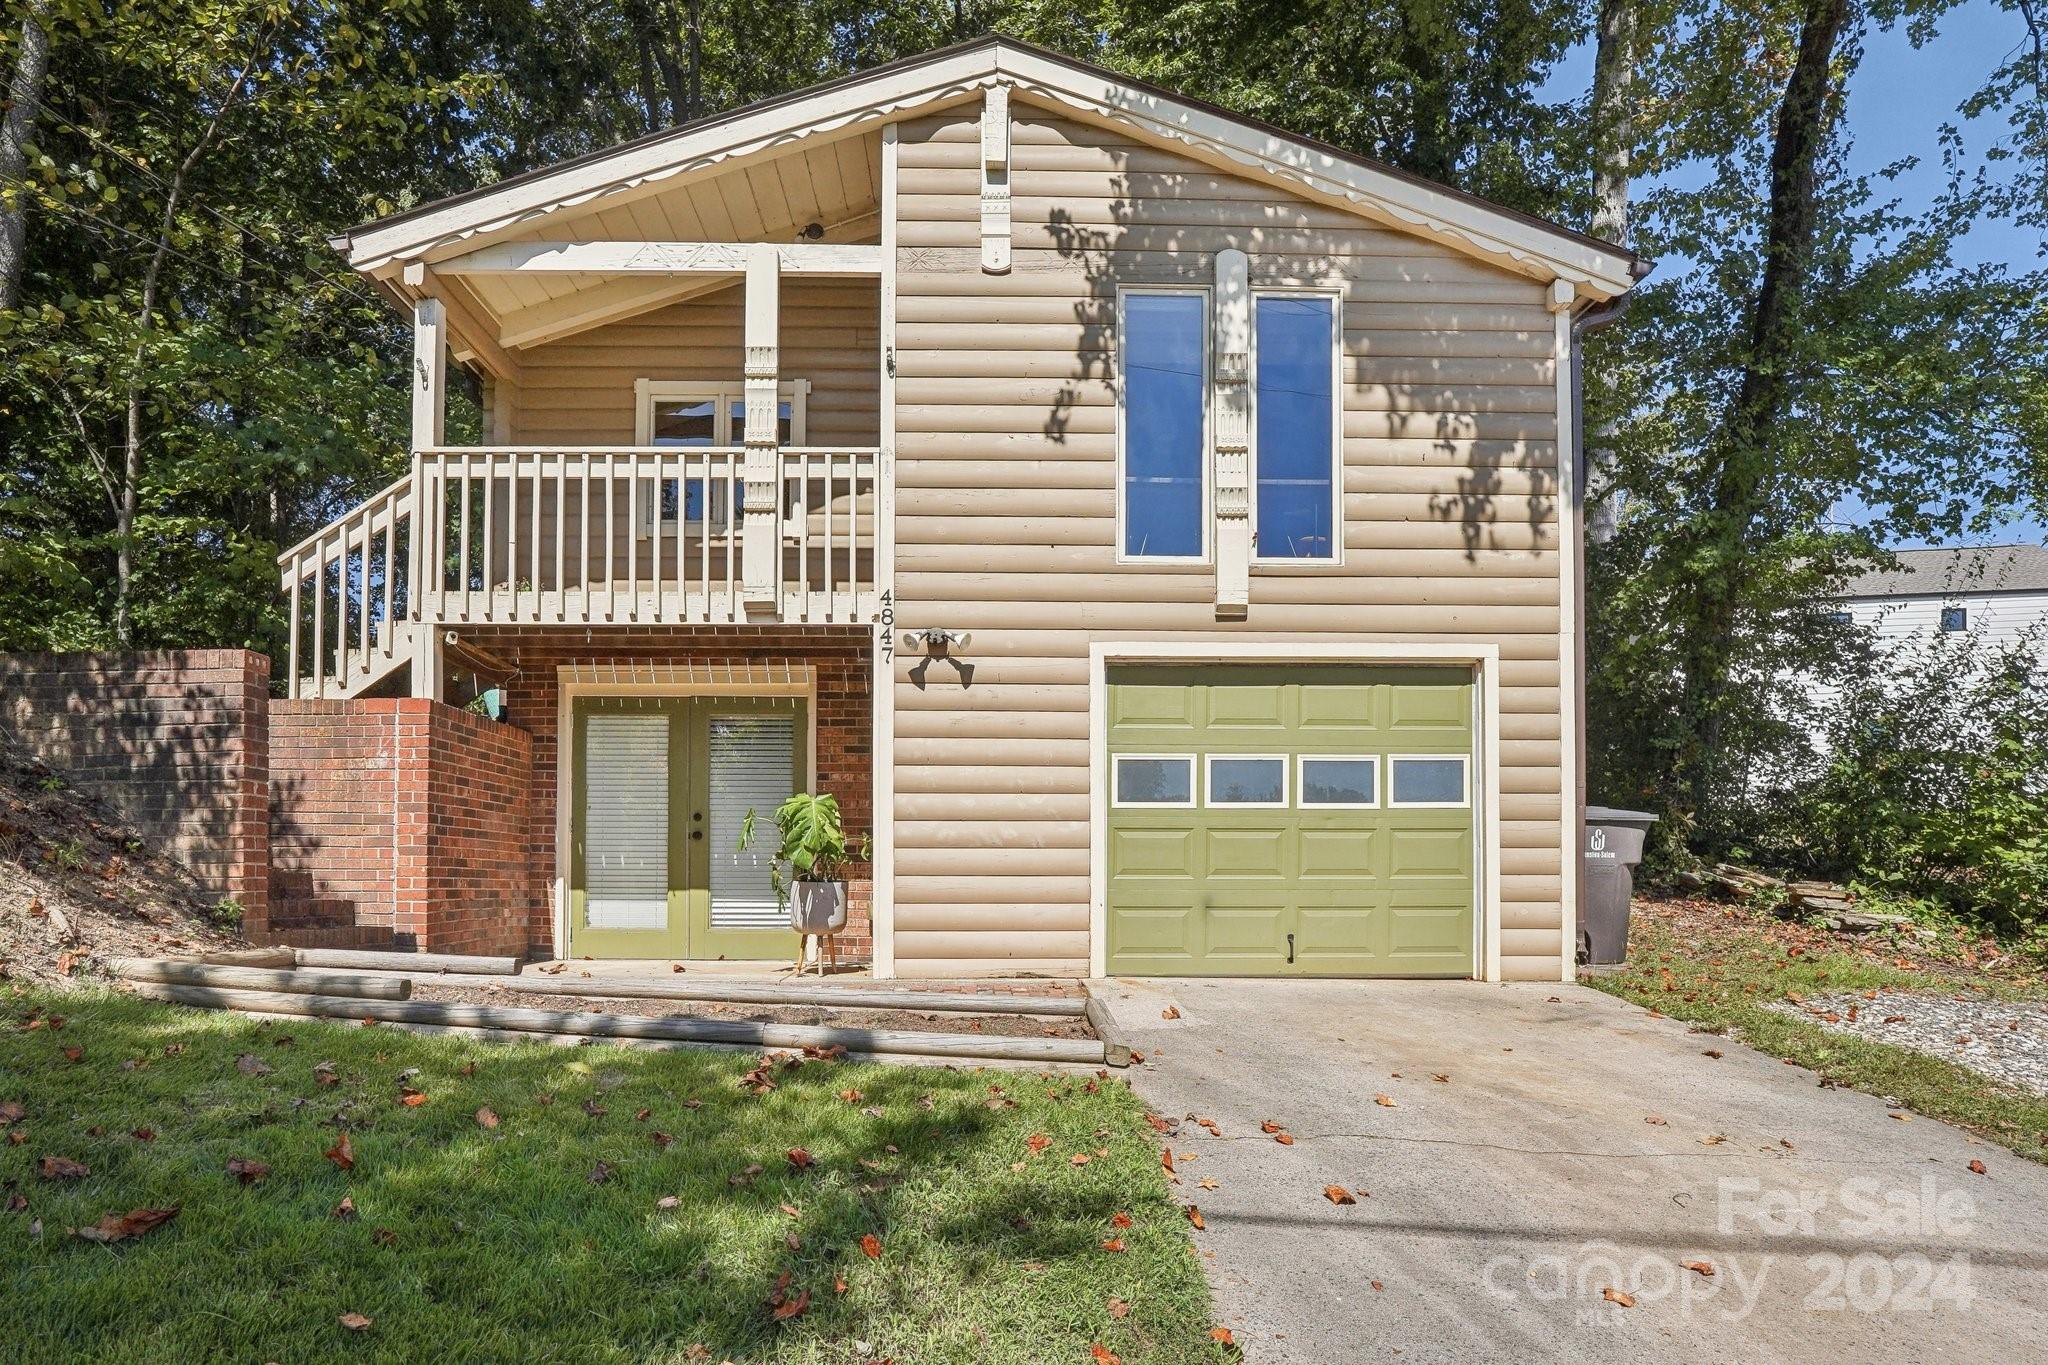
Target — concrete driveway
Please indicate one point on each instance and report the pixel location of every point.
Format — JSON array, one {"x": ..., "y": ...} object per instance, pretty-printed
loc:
[{"x": 1564, "y": 1155}]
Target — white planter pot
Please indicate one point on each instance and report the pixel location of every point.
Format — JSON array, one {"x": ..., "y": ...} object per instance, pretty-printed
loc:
[{"x": 817, "y": 907}]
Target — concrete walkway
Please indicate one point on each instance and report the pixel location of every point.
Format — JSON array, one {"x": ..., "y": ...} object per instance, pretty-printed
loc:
[{"x": 1564, "y": 1154}]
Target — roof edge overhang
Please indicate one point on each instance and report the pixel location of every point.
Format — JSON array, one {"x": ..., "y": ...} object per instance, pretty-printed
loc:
[{"x": 1513, "y": 240}]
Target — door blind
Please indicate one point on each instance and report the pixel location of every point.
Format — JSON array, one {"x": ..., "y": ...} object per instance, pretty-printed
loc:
[
  {"x": 750, "y": 770},
  {"x": 625, "y": 821}
]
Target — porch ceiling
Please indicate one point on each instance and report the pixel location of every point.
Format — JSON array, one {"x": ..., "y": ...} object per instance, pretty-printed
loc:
[{"x": 835, "y": 184}]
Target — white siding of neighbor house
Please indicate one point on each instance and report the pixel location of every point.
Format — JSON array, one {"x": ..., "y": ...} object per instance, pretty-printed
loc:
[
  {"x": 1005, "y": 516},
  {"x": 1996, "y": 620}
]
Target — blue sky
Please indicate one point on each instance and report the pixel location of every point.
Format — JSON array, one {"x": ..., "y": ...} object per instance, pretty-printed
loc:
[{"x": 1899, "y": 99}]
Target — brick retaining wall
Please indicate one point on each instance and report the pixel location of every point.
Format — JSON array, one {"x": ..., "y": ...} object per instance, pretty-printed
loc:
[{"x": 173, "y": 739}]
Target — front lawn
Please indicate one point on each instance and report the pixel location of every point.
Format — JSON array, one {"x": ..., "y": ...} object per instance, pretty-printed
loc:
[
  {"x": 1730, "y": 970},
  {"x": 537, "y": 1231}
]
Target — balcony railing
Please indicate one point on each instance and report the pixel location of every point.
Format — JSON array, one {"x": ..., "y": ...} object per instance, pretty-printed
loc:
[{"x": 594, "y": 535}]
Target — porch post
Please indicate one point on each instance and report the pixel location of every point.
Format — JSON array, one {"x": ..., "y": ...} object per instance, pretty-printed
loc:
[
  {"x": 760, "y": 576},
  {"x": 429, "y": 425}
]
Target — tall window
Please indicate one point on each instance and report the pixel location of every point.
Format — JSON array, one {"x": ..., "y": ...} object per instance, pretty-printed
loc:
[
  {"x": 700, "y": 415},
  {"x": 1163, "y": 349},
  {"x": 1294, "y": 415}
]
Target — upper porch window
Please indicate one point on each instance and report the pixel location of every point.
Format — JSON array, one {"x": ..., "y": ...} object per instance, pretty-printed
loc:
[{"x": 706, "y": 415}]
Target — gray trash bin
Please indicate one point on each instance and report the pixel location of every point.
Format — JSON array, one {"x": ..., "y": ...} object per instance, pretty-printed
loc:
[{"x": 1614, "y": 845}]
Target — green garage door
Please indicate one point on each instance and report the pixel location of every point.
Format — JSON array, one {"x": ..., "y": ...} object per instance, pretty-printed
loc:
[{"x": 1290, "y": 820}]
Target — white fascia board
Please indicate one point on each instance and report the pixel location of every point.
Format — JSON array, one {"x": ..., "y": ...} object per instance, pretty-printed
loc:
[{"x": 1526, "y": 247}]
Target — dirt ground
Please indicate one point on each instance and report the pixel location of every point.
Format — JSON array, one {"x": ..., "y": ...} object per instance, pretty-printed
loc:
[
  {"x": 477, "y": 992},
  {"x": 1957, "y": 955},
  {"x": 79, "y": 885}
]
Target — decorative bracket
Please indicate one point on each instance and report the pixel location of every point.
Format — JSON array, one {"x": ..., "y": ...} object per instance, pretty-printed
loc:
[
  {"x": 995, "y": 180},
  {"x": 760, "y": 524},
  {"x": 1233, "y": 432}
]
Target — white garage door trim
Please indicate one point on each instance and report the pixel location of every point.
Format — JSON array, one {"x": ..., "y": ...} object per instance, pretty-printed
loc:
[{"x": 1483, "y": 659}]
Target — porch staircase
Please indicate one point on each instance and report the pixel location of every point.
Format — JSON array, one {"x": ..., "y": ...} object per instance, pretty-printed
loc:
[
  {"x": 350, "y": 593},
  {"x": 301, "y": 919}
]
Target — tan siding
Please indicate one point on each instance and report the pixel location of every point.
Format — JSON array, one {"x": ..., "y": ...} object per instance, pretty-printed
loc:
[{"x": 1006, "y": 465}]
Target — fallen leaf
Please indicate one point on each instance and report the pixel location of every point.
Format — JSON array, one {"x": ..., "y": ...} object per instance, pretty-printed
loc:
[
  {"x": 851, "y": 1096},
  {"x": 1103, "y": 1355},
  {"x": 1268, "y": 1126},
  {"x": 144, "y": 1135},
  {"x": 74, "y": 1054},
  {"x": 668, "y": 1201},
  {"x": 871, "y": 1246},
  {"x": 1704, "y": 1269},
  {"x": 384, "y": 1237},
  {"x": 1209, "y": 1184},
  {"x": 11, "y": 1113},
  {"x": 1337, "y": 1194},
  {"x": 1166, "y": 1160},
  {"x": 1713, "y": 1139},
  {"x": 1386, "y": 1101},
  {"x": 1195, "y": 1217},
  {"x": 410, "y": 1098},
  {"x": 1377, "y": 1286},
  {"x": 248, "y": 1172},
  {"x": 792, "y": 1308},
  {"x": 1119, "y": 1309},
  {"x": 324, "y": 1074},
  {"x": 1037, "y": 1142},
  {"x": 599, "y": 1173},
  {"x": 342, "y": 1153},
  {"x": 1713, "y": 1052},
  {"x": 1082, "y": 1158},
  {"x": 1443, "y": 1076},
  {"x": 357, "y": 1322},
  {"x": 1113, "y": 1244},
  {"x": 62, "y": 1168},
  {"x": 594, "y": 1109},
  {"x": 1977, "y": 1168},
  {"x": 1653, "y": 1121},
  {"x": 799, "y": 1158},
  {"x": 839, "y": 1284},
  {"x": 642, "y": 1115},
  {"x": 486, "y": 1117},
  {"x": 1170, "y": 1012},
  {"x": 345, "y": 1210},
  {"x": 1222, "y": 1336},
  {"x": 1613, "y": 1295},
  {"x": 1120, "y": 1220},
  {"x": 249, "y": 1064},
  {"x": 789, "y": 1210},
  {"x": 1284, "y": 1139},
  {"x": 1901, "y": 1117},
  {"x": 134, "y": 1223}
]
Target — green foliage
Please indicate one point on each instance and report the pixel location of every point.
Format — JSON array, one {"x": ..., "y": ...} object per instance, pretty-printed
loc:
[
  {"x": 812, "y": 842},
  {"x": 1927, "y": 782},
  {"x": 227, "y": 914}
]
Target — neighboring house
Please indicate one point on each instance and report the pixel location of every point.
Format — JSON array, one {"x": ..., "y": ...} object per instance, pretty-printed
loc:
[
  {"x": 1997, "y": 594},
  {"x": 1162, "y": 532}
]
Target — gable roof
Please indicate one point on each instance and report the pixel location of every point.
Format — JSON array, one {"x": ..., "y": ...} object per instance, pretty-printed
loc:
[
  {"x": 1955, "y": 572},
  {"x": 952, "y": 75}
]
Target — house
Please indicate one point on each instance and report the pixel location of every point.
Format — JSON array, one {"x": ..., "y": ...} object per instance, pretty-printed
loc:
[
  {"x": 1160, "y": 531},
  {"x": 1998, "y": 594}
]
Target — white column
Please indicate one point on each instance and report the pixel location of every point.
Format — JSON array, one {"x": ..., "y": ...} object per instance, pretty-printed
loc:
[
  {"x": 1233, "y": 433},
  {"x": 760, "y": 561},
  {"x": 995, "y": 180},
  {"x": 429, "y": 427},
  {"x": 1570, "y": 662}
]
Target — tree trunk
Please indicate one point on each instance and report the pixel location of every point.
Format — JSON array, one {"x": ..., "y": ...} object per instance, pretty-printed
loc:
[
  {"x": 643, "y": 48},
  {"x": 1614, "y": 74},
  {"x": 1756, "y": 414},
  {"x": 696, "y": 105},
  {"x": 24, "y": 102}
]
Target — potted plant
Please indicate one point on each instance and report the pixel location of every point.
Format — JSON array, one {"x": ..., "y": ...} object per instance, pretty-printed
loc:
[{"x": 813, "y": 848}]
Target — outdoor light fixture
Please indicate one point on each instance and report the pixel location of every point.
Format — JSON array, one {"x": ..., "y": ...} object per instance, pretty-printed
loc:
[{"x": 937, "y": 641}]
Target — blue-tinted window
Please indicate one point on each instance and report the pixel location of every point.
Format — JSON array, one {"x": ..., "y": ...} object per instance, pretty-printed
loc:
[
  {"x": 1955, "y": 618},
  {"x": 1295, "y": 411},
  {"x": 1165, "y": 400}
]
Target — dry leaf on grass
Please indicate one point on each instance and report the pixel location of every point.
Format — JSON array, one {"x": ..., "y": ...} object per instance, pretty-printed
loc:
[
  {"x": 342, "y": 1153},
  {"x": 871, "y": 1246},
  {"x": 1119, "y": 1309},
  {"x": 62, "y": 1168},
  {"x": 1222, "y": 1336},
  {"x": 356, "y": 1322},
  {"x": 799, "y": 1158},
  {"x": 119, "y": 1227},
  {"x": 486, "y": 1117},
  {"x": 1113, "y": 1244},
  {"x": 249, "y": 1064},
  {"x": 345, "y": 1210},
  {"x": 248, "y": 1172},
  {"x": 1103, "y": 1355}
]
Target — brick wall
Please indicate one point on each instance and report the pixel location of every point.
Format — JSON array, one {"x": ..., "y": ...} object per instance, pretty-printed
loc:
[
  {"x": 173, "y": 739},
  {"x": 405, "y": 815},
  {"x": 841, "y": 655}
]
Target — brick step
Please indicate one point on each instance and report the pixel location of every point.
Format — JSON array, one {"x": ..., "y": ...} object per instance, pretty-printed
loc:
[
  {"x": 325, "y": 936},
  {"x": 312, "y": 910}
]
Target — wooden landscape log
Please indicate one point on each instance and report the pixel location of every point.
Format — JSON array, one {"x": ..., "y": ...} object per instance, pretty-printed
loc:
[
  {"x": 282, "y": 958},
  {"x": 1115, "y": 1051},
  {"x": 170, "y": 972},
  {"x": 363, "y": 959},
  {"x": 744, "y": 1033},
  {"x": 826, "y": 997}
]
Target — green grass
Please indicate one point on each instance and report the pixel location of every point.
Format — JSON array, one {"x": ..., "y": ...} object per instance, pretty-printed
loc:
[
  {"x": 499, "y": 1245},
  {"x": 1722, "y": 984}
]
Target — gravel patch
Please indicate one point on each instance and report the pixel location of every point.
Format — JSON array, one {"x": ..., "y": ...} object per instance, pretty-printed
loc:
[{"x": 2005, "y": 1040}]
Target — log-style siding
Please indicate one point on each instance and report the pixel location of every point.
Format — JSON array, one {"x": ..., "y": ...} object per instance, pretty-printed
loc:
[{"x": 1005, "y": 512}]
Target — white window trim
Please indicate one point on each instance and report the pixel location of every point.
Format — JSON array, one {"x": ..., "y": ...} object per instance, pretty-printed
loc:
[
  {"x": 1208, "y": 476},
  {"x": 1464, "y": 762},
  {"x": 1209, "y": 784},
  {"x": 1116, "y": 761},
  {"x": 1336, "y": 297},
  {"x": 1301, "y": 762},
  {"x": 721, "y": 394}
]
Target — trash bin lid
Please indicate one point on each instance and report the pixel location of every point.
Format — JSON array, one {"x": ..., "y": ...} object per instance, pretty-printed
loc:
[{"x": 1614, "y": 815}]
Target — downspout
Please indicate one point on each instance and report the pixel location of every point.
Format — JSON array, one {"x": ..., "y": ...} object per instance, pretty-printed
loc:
[{"x": 1600, "y": 315}]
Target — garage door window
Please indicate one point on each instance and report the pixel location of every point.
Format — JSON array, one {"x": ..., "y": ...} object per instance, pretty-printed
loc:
[
  {"x": 1426, "y": 780},
  {"x": 1247, "y": 780},
  {"x": 1154, "y": 779},
  {"x": 1340, "y": 781}
]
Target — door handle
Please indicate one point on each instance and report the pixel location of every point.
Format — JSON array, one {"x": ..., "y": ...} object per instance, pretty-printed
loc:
[{"x": 1290, "y": 950}]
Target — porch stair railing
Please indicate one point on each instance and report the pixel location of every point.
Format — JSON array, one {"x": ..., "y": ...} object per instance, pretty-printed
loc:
[{"x": 348, "y": 589}]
